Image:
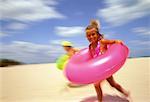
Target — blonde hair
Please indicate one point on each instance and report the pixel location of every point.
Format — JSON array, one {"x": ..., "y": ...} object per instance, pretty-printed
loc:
[{"x": 95, "y": 23}]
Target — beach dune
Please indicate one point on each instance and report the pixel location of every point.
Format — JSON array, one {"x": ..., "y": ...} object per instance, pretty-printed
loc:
[{"x": 46, "y": 83}]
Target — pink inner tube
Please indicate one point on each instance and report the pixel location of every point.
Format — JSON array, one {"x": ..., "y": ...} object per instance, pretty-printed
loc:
[{"x": 83, "y": 69}]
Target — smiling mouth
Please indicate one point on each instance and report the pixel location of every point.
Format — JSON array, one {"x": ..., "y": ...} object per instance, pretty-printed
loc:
[{"x": 92, "y": 39}]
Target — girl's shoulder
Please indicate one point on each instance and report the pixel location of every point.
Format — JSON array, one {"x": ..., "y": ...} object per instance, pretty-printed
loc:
[
  {"x": 102, "y": 40},
  {"x": 76, "y": 49}
]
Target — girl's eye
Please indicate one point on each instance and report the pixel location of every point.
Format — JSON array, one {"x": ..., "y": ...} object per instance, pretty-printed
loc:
[{"x": 93, "y": 34}]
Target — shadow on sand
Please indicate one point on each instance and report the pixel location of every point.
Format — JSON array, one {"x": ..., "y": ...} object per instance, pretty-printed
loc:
[
  {"x": 71, "y": 85},
  {"x": 106, "y": 98}
]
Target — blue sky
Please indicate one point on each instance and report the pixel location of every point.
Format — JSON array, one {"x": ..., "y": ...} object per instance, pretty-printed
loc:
[{"x": 31, "y": 30}]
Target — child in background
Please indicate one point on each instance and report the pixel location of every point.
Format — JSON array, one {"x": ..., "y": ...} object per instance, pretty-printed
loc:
[
  {"x": 98, "y": 46},
  {"x": 68, "y": 47}
]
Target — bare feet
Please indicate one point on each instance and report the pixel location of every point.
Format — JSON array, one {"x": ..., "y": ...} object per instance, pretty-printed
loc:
[{"x": 126, "y": 93}]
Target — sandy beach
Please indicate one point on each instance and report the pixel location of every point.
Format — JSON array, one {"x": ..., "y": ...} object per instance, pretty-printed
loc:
[{"x": 46, "y": 83}]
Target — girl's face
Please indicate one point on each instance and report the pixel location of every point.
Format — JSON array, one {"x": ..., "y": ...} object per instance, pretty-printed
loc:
[{"x": 92, "y": 36}]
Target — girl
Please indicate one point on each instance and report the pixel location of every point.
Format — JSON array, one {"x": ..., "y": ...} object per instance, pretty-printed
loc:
[
  {"x": 68, "y": 47},
  {"x": 70, "y": 51},
  {"x": 98, "y": 45}
]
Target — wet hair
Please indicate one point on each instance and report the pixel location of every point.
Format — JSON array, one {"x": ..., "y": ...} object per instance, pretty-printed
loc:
[{"x": 94, "y": 24}]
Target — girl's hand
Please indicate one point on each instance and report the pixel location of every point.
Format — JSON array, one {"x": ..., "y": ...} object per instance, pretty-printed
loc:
[{"x": 118, "y": 41}]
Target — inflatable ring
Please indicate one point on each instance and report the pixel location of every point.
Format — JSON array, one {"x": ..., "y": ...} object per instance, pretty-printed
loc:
[
  {"x": 62, "y": 61},
  {"x": 83, "y": 69}
]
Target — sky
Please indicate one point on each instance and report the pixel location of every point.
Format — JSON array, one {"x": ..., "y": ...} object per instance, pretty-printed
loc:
[{"x": 32, "y": 30}]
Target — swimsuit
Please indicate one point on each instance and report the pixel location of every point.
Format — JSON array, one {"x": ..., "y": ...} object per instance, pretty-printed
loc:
[{"x": 95, "y": 52}]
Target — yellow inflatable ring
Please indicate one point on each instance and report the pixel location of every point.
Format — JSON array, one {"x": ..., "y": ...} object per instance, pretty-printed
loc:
[{"x": 62, "y": 61}]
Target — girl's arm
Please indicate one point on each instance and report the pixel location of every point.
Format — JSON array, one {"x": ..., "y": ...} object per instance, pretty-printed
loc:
[
  {"x": 71, "y": 53},
  {"x": 104, "y": 41},
  {"x": 76, "y": 50}
]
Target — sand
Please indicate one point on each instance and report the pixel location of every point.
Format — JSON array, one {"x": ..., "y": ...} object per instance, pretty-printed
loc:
[{"x": 45, "y": 83}]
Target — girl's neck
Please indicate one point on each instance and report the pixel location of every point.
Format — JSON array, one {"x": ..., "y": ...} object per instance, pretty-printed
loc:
[{"x": 94, "y": 45}]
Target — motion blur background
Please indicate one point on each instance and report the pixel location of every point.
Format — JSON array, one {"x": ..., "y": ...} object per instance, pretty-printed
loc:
[{"x": 31, "y": 30}]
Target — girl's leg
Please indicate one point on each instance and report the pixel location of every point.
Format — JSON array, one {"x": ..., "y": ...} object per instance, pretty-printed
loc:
[
  {"x": 117, "y": 86},
  {"x": 98, "y": 91}
]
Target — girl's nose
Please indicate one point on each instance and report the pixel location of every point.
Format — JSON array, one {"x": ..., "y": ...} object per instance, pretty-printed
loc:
[{"x": 91, "y": 36}]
